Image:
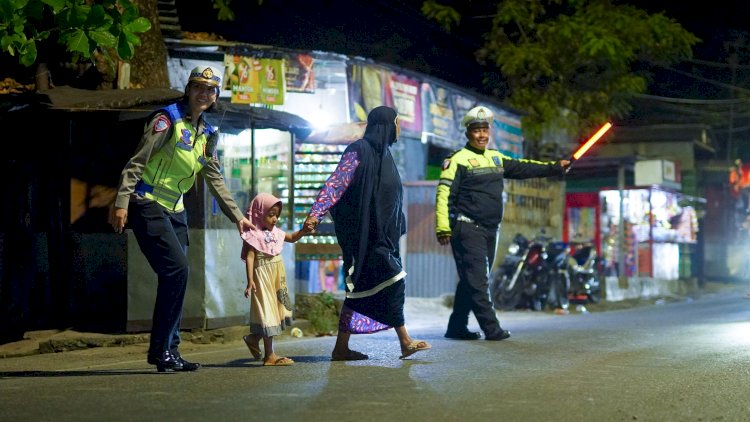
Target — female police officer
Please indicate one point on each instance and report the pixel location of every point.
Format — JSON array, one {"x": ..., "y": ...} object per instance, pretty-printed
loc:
[
  {"x": 469, "y": 208},
  {"x": 177, "y": 144}
]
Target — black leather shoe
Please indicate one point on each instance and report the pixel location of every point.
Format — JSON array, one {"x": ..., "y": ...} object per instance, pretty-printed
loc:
[
  {"x": 170, "y": 361},
  {"x": 502, "y": 335},
  {"x": 188, "y": 366},
  {"x": 467, "y": 335}
]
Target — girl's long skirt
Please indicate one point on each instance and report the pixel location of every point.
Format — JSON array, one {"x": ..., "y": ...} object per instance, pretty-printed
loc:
[{"x": 270, "y": 307}]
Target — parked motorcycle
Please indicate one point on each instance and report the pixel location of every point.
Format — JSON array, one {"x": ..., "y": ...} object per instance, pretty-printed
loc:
[
  {"x": 521, "y": 280},
  {"x": 585, "y": 273},
  {"x": 558, "y": 277}
]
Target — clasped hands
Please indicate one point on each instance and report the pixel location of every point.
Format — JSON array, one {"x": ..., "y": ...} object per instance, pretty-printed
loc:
[{"x": 310, "y": 224}]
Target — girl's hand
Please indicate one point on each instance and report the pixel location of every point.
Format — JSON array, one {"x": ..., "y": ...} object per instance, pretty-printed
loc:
[
  {"x": 310, "y": 224},
  {"x": 250, "y": 289}
]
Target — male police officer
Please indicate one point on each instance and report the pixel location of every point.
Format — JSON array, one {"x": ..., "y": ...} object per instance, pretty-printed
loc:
[
  {"x": 177, "y": 144},
  {"x": 469, "y": 208}
]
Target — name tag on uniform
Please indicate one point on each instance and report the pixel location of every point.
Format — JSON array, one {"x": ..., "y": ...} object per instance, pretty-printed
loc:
[
  {"x": 473, "y": 162},
  {"x": 496, "y": 160}
]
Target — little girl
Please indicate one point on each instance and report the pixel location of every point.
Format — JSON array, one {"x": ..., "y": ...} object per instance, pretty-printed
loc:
[{"x": 270, "y": 309}]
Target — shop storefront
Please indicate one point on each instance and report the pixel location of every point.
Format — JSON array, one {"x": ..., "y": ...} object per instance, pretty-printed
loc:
[
  {"x": 334, "y": 94},
  {"x": 642, "y": 232}
]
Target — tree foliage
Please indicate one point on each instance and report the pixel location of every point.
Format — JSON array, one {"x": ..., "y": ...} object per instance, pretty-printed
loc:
[
  {"x": 573, "y": 64},
  {"x": 82, "y": 27}
]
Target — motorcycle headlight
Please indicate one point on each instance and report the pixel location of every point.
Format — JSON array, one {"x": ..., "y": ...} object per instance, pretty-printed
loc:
[{"x": 513, "y": 248}]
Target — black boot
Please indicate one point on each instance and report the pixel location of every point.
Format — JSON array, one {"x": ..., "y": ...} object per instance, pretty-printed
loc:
[
  {"x": 500, "y": 335},
  {"x": 172, "y": 361},
  {"x": 463, "y": 335}
]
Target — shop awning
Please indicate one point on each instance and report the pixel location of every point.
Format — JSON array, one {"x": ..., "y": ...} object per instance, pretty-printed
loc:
[
  {"x": 234, "y": 118},
  {"x": 137, "y": 103}
]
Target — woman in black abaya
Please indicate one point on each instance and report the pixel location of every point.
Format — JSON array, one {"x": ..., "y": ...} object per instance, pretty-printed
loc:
[{"x": 365, "y": 198}]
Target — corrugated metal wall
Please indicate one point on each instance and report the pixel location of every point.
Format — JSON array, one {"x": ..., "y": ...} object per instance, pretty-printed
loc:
[
  {"x": 530, "y": 205},
  {"x": 429, "y": 265}
]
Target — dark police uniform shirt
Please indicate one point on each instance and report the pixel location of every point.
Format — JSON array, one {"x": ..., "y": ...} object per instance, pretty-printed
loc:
[{"x": 471, "y": 185}]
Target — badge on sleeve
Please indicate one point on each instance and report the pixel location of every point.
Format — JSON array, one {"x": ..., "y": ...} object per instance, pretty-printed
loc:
[
  {"x": 161, "y": 124},
  {"x": 496, "y": 160},
  {"x": 446, "y": 164}
]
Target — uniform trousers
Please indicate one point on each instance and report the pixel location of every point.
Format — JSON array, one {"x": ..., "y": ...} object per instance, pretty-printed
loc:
[
  {"x": 163, "y": 239},
  {"x": 474, "y": 251}
]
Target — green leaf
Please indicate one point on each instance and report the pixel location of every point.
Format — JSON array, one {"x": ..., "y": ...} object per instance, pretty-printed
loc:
[
  {"x": 97, "y": 17},
  {"x": 28, "y": 56},
  {"x": 132, "y": 38},
  {"x": 103, "y": 38},
  {"x": 7, "y": 46},
  {"x": 15, "y": 4},
  {"x": 77, "y": 41},
  {"x": 56, "y": 5},
  {"x": 129, "y": 11},
  {"x": 138, "y": 25},
  {"x": 124, "y": 48},
  {"x": 73, "y": 16}
]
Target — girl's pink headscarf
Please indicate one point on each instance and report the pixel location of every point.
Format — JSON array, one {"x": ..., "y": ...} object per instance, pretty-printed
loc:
[{"x": 267, "y": 241}]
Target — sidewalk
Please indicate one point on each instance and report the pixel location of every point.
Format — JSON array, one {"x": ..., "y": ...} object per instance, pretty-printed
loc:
[{"x": 419, "y": 313}]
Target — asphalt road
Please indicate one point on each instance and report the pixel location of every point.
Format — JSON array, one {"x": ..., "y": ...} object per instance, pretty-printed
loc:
[{"x": 685, "y": 361}]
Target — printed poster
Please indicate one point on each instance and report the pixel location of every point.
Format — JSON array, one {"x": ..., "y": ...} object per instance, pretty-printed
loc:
[
  {"x": 506, "y": 135},
  {"x": 366, "y": 90},
  {"x": 300, "y": 75},
  {"x": 254, "y": 80},
  {"x": 272, "y": 82},
  {"x": 402, "y": 93},
  {"x": 439, "y": 120},
  {"x": 461, "y": 106}
]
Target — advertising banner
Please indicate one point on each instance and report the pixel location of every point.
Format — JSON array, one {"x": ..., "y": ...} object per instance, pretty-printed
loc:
[
  {"x": 254, "y": 80},
  {"x": 300, "y": 74},
  {"x": 366, "y": 90},
  {"x": 272, "y": 82},
  {"x": 461, "y": 106},
  {"x": 439, "y": 121},
  {"x": 242, "y": 78},
  {"x": 402, "y": 93},
  {"x": 506, "y": 135}
]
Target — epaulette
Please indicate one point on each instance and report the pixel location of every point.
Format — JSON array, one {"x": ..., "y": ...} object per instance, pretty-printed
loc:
[{"x": 447, "y": 157}]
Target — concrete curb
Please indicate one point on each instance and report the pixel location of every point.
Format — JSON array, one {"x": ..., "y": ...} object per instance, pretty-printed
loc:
[{"x": 56, "y": 341}]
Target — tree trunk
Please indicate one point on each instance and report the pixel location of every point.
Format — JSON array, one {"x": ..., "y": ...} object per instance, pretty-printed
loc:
[{"x": 148, "y": 68}]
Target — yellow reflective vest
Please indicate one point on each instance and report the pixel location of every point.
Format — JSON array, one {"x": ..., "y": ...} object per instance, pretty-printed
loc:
[
  {"x": 171, "y": 171},
  {"x": 471, "y": 185}
]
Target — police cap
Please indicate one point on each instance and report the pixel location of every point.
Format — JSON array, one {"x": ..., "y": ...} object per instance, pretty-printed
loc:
[
  {"x": 205, "y": 75},
  {"x": 479, "y": 116}
]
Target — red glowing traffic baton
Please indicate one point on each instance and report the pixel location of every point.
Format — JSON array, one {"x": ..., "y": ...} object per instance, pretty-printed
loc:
[{"x": 592, "y": 140}]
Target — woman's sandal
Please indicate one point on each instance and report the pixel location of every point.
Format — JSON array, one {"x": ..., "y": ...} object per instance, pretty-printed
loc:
[
  {"x": 279, "y": 362},
  {"x": 414, "y": 347},
  {"x": 254, "y": 348}
]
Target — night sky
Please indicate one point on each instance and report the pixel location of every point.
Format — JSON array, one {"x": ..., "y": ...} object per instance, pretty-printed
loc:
[{"x": 396, "y": 32}]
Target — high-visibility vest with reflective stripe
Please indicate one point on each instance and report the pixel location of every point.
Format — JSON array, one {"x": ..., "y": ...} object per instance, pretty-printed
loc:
[{"x": 171, "y": 171}]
